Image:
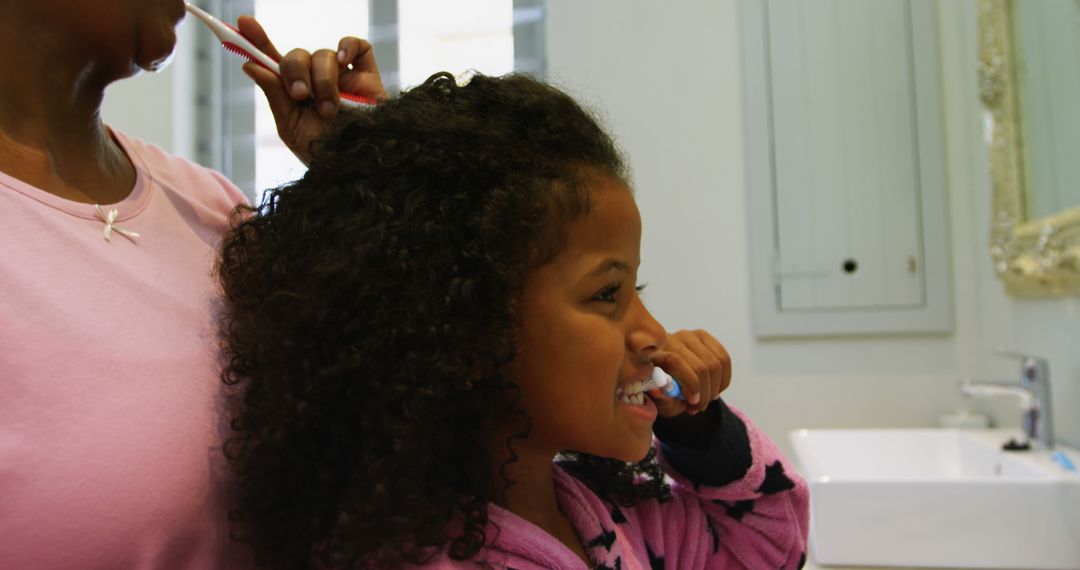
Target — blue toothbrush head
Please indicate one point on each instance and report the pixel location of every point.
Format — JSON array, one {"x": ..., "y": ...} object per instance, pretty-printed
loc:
[
  {"x": 672, "y": 390},
  {"x": 667, "y": 384}
]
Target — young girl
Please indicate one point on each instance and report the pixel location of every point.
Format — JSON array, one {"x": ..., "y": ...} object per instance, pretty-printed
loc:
[{"x": 438, "y": 348}]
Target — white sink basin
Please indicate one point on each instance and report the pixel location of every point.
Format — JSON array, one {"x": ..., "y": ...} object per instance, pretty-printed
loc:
[{"x": 938, "y": 498}]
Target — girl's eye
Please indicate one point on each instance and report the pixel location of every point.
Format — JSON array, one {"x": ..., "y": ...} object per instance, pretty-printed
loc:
[{"x": 607, "y": 295}]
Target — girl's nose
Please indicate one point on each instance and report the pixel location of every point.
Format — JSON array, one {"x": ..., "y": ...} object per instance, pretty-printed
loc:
[{"x": 646, "y": 335}]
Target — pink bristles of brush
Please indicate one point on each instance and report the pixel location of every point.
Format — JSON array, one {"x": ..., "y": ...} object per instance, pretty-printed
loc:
[{"x": 234, "y": 42}]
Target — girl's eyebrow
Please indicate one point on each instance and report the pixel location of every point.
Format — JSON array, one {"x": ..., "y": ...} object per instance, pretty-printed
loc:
[{"x": 608, "y": 265}]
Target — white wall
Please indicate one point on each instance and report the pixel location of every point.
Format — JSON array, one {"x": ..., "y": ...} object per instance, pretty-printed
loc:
[
  {"x": 667, "y": 78},
  {"x": 1051, "y": 329}
]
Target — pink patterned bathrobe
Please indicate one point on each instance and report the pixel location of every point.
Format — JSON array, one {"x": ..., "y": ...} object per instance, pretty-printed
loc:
[{"x": 736, "y": 504}]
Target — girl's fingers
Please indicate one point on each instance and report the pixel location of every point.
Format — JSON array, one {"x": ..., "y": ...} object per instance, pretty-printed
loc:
[
  {"x": 681, "y": 345},
  {"x": 706, "y": 363},
  {"x": 715, "y": 363},
  {"x": 666, "y": 407},
  {"x": 676, "y": 365},
  {"x": 705, "y": 383},
  {"x": 723, "y": 358},
  {"x": 718, "y": 360}
]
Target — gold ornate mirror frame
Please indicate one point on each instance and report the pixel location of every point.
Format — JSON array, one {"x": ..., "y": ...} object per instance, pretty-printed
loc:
[{"x": 1034, "y": 258}]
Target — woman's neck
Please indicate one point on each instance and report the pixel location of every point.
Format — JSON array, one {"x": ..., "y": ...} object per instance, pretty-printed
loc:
[
  {"x": 532, "y": 497},
  {"x": 51, "y": 134}
]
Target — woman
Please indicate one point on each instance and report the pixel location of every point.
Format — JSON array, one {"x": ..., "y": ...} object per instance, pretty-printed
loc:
[{"x": 109, "y": 444}]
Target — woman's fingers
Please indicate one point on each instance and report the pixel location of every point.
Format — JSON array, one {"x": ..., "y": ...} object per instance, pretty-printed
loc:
[
  {"x": 359, "y": 71},
  {"x": 307, "y": 95},
  {"x": 296, "y": 74},
  {"x": 322, "y": 75},
  {"x": 356, "y": 53},
  {"x": 277, "y": 93},
  {"x": 325, "y": 72},
  {"x": 281, "y": 104},
  {"x": 251, "y": 29}
]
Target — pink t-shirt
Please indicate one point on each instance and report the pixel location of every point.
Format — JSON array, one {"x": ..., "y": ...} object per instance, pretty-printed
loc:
[{"x": 110, "y": 407}]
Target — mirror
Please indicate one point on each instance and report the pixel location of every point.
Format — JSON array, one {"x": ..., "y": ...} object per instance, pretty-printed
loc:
[
  {"x": 1046, "y": 46},
  {"x": 1029, "y": 84}
]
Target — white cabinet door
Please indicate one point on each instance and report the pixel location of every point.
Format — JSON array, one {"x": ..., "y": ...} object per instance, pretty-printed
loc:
[{"x": 845, "y": 177}]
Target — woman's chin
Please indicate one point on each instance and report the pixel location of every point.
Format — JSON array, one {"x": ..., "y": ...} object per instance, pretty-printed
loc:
[
  {"x": 157, "y": 64},
  {"x": 157, "y": 53}
]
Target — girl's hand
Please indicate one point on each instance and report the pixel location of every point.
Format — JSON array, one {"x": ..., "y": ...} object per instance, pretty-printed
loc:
[
  {"x": 701, "y": 365},
  {"x": 306, "y": 96}
]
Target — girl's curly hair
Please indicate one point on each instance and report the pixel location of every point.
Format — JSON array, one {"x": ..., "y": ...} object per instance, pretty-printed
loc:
[{"x": 370, "y": 308}]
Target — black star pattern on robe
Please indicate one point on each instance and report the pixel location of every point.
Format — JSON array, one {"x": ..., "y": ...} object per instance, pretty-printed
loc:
[
  {"x": 802, "y": 561},
  {"x": 655, "y": 562},
  {"x": 605, "y": 539},
  {"x": 617, "y": 566},
  {"x": 775, "y": 480},
  {"x": 736, "y": 510},
  {"x": 715, "y": 535}
]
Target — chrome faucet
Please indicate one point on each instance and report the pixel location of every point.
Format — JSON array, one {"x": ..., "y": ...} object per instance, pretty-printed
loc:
[{"x": 1032, "y": 394}]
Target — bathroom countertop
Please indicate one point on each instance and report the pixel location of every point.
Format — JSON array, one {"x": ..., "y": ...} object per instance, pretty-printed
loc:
[{"x": 810, "y": 565}]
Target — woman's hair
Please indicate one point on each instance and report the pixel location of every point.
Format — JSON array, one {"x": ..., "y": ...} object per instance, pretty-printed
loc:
[{"x": 371, "y": 307}]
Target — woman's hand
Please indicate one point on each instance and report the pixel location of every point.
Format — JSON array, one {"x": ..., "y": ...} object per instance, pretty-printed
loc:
[
  {"x": 701, "y": 365},
  {"x": 306, "y": 96}
]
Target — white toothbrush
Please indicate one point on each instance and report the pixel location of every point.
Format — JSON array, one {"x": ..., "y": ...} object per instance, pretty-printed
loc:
[
  {"x": 234, "y": 42},
  {"x": 665, "y": 382}
]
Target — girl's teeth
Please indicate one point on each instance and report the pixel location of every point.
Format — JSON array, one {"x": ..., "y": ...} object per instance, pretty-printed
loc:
[
  {"x": 631, "y": 394},
  {"x": 637, "y": 399},
  {"x": 630, "y": 389}
]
